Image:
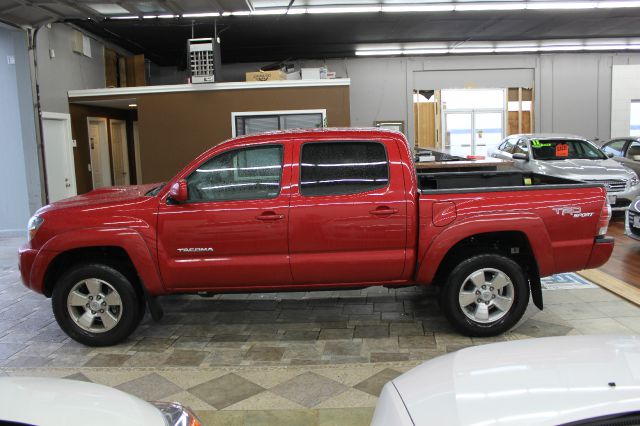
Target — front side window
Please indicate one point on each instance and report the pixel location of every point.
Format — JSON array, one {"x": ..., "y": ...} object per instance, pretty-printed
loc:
[
  {"x": 337, "y": 168},
  {"x": 521, "y": 147},
  {"x": 615, "y": 147},
  {"x": 239, "y": 174},
  {"x": 633, "y": 151},
  {"x": 507, "y": 146}
]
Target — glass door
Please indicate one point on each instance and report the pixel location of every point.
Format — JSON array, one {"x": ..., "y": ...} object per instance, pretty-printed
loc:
[
  {"x": 458, "y": 133},
  {"x": 487, "y": 131}
]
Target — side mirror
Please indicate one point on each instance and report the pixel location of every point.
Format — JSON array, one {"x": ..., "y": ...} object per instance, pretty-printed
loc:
[
  {"x": 179, "y": 192},
  {"x": 609, "y": 154},
  {"x": 520, "y": 156}
]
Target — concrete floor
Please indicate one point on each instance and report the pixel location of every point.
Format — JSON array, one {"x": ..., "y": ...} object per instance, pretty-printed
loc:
[{"x": 279, "y": 358}]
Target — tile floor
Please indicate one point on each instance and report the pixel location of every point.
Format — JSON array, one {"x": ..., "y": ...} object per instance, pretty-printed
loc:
[{"x": 280, "y": 358}]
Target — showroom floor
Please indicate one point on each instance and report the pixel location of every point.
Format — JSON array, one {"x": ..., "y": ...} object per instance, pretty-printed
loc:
[{"x": 281, "y": 358}]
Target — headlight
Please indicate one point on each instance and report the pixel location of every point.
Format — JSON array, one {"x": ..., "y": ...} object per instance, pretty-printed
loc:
[
  {"x": 34, "y": 224},
  {"x": 634, "y": 180},
  {"x": 177, "y": 415}
]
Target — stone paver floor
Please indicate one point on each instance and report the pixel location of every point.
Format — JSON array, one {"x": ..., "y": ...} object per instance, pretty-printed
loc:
[{"x": 287, "y": 358}]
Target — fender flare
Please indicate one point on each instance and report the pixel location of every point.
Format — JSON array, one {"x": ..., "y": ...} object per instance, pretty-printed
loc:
[
  {"x": 125, "y": 238},
  {"x": 526, "y": 223}
]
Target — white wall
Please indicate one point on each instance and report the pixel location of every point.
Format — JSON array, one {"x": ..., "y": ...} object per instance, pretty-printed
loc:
[
  {"x": 17, "y": 137},
  {"x": 625, "y": 87},
  {"x": 67, "y": 70}
]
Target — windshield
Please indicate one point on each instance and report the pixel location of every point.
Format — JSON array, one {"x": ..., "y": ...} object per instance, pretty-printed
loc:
[
  {"x": 154, "y": 191},
  {"x": 564, "y": 149}
]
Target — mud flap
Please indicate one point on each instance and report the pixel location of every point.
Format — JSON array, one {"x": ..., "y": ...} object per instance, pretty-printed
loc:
[
  {"x": 155, "y": 309},
  {"x": 536, "y": 290}
]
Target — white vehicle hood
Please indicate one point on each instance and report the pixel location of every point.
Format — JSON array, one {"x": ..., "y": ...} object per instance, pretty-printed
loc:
[
  {"x": 58, "y": 402},
  {"x": 547, "y": 381}
]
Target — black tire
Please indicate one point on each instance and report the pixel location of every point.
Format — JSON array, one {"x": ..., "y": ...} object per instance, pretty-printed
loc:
[
  {"x": 132, "y": 306},
  {"x": 450, "y": 293}
]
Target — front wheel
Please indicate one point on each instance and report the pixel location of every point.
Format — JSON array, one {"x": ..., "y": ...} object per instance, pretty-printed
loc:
[
  {"x": 485, "y": 295},
  {"x": 96, "y": 305}
]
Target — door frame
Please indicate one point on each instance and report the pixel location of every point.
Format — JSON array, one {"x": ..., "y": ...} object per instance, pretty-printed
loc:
[
  {"x": 58, "y": 116},
  {"x": 104, "y": 134},
  {"x": 125, "y": 149},
  {"x": 136, "y": 151}
]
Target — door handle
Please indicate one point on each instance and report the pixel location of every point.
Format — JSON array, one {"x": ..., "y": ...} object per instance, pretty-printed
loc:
[
  {"x": 383, "y": 211},
  {"x": 270, "y": 216}
]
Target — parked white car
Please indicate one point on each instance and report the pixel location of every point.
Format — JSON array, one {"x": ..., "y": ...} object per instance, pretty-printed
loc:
[
  {"x": 571, "y": 157},
  {"x": 546, "y": 381},
  {"x": 59, "y": 402}
]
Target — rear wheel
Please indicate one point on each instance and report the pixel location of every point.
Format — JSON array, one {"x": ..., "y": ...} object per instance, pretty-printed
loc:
[
  {"x": 485, "y": 295},
  {"x": 96, "y": 305}
]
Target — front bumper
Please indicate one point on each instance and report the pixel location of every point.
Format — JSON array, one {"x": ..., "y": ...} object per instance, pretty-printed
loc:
[
  {"x": 601, "y": 251},
  {"x": 629, "y": 220},
  {"x": 26, "y": 259},
  {"x": 624, "y": 198}
]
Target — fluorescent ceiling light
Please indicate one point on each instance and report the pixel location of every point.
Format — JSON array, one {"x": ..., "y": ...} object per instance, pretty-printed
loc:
[
  {"x": 241, "y": 13},
  {"x": 149, "y": 16},
  {"x": 515, "y": 49},
  {"x": 561, "y": 5},
  {"x": 490, "y": 6},
  {"x": 124, "y": 17},
  {"x": 107, "y": 8},
  {"x": 201, "y": 15},
  {"x": 472, "y": 50},
  {"x": 269, "y": 12},
  {"x": 419, "y": 8},
  {"x": 425, "y": 51},
  {"x": 168, "y": 16},
  {"x": 613, "y": 4},
  {"x": 296, "y": 11},
  {"x": 378, "y": 52},
  {"x": 344, "y": 9}
]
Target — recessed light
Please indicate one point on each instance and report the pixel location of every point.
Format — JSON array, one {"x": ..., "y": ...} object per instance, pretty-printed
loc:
[{"x": 133, "y": 105}]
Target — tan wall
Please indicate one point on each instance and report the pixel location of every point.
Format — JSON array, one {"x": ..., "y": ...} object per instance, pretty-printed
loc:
[{"x": 176, "y": 127}]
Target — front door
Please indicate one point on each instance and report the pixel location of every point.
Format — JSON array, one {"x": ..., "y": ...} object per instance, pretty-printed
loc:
[
  {"x": 58, "y": 156},
  {"x": 348, "y": 219},
  {"x": 99, "y": 152},
  {"x": 233, "y": 230},
  {"x": 119, "y": 153}
]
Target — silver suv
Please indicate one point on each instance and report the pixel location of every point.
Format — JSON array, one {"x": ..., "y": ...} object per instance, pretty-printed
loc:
[{"x": 571, "y": 157}]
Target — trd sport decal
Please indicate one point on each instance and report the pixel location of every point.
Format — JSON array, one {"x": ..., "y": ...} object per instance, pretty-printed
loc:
[{"x": 576, "y": 212}]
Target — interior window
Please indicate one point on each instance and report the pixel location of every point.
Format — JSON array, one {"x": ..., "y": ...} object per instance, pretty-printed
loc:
[
  {"x": 239, "y": 174},
  {"x": 615, "y": 147},
  {"x": 633, "y": 151},
  {"x": 335, "y": 168}
]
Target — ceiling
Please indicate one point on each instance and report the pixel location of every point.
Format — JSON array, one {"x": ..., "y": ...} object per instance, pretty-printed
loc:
[{"x": 269, "y": 38}]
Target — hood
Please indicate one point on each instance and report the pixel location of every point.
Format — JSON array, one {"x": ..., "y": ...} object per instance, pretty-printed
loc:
[
  {"x": 113, "y": 194},
  {"x": 545, "y": 381},
  {"x": 583, "y": 169}
]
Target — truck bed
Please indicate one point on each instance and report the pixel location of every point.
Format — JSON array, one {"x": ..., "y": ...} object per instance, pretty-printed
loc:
[{"x": 496, "y": 181}]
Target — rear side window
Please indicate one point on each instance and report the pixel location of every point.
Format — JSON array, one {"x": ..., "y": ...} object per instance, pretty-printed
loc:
[{"x": 337, "y": 168}]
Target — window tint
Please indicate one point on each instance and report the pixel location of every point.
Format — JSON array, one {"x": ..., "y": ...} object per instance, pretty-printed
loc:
[
  {"x": 333, "y": 168},
  {"x": 615, "y": 147},
  {"x": 241, "y": 174}
]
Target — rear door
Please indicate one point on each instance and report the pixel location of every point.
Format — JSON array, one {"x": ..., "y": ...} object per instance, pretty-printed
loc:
[
  {"x": 348, "y": 215},
  {"x": 233, "y": 230}
]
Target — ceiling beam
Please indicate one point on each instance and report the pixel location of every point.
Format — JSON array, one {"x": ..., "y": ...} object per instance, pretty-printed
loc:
[
  {"x": 46, "y": 10},
  {"x": 10, "y": 8}
]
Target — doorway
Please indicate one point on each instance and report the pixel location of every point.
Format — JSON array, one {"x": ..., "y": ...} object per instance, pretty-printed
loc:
[
  {"x": 136, "y": 150},
  {"x": 58, "y": 156},
  {"x": 473, "y": 120},
  {"x": 99, "y": 152},
  {"x": 119, "y": 152}
]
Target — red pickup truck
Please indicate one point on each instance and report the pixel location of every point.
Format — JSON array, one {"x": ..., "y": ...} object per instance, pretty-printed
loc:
[{"x": 305, "y": 210}]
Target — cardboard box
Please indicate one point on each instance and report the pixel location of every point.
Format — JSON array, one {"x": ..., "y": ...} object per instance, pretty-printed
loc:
[
  {"x": 310, "y": 73},
  {"x": 265, "y": 76}
]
